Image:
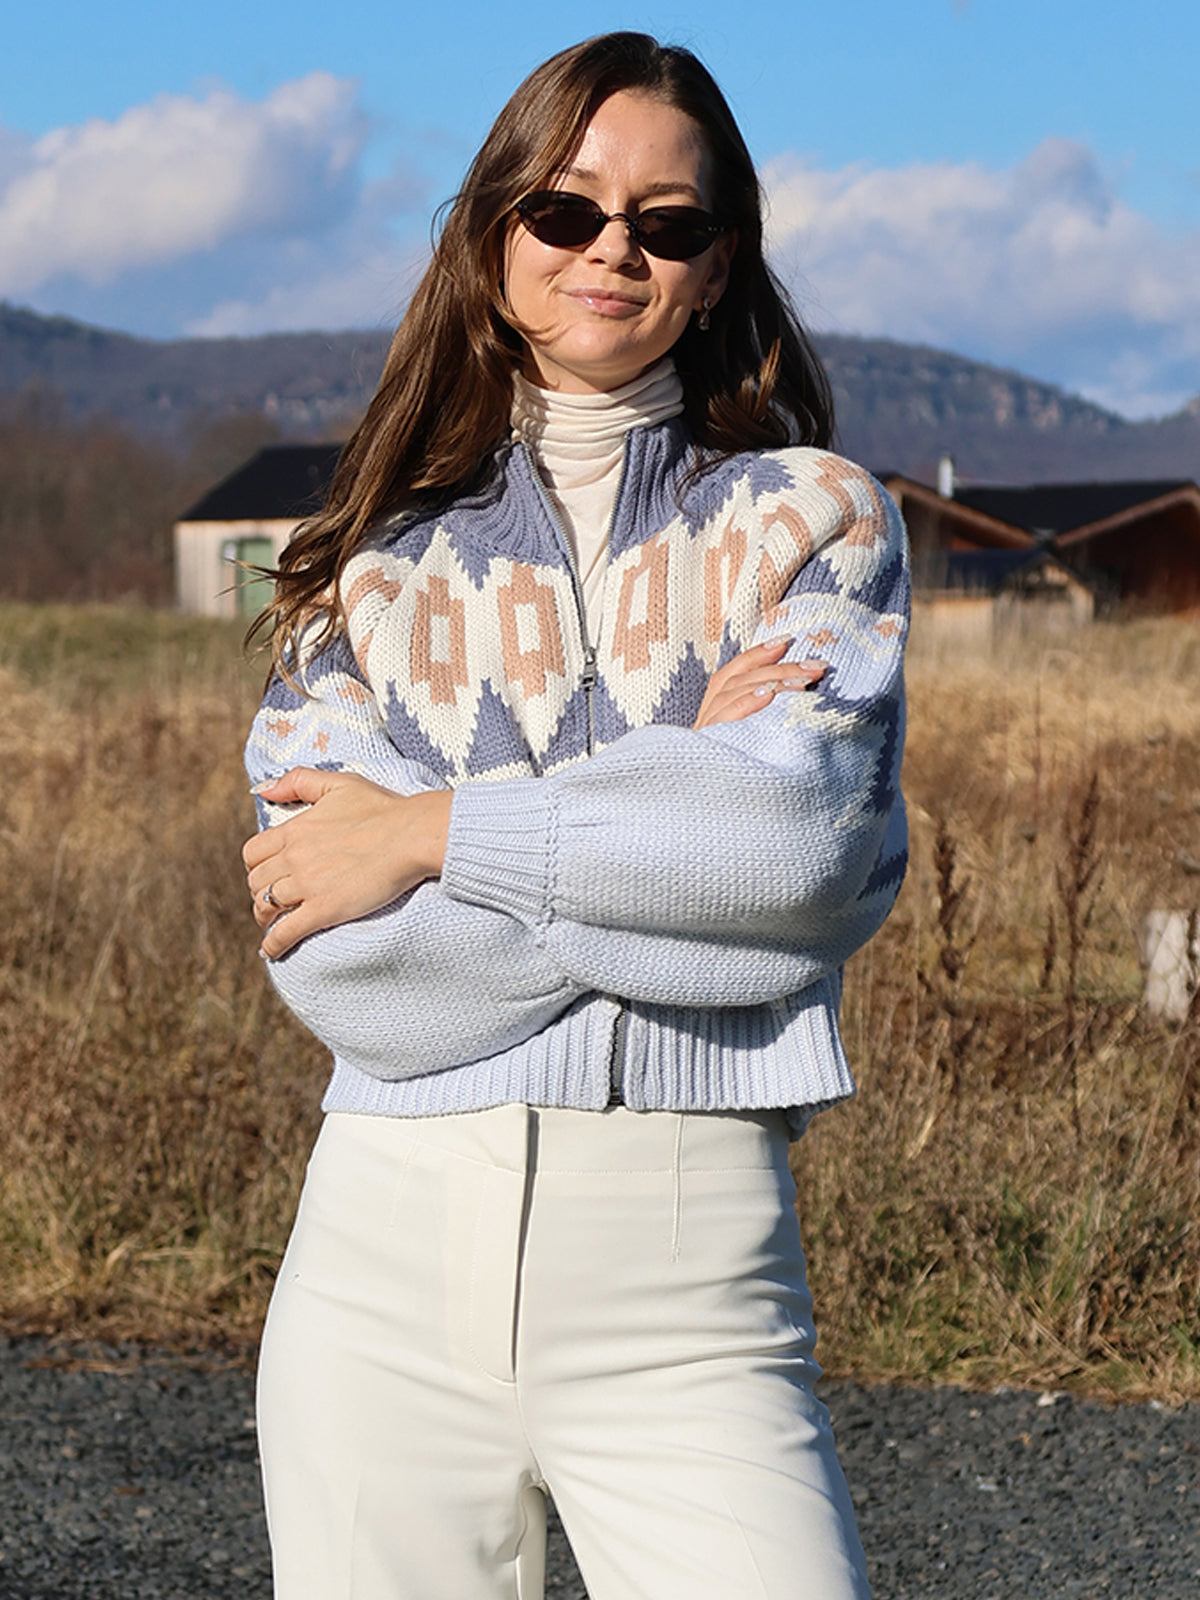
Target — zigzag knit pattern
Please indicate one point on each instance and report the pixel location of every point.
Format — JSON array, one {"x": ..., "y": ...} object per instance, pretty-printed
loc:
[{"x": 690, "y": 894}]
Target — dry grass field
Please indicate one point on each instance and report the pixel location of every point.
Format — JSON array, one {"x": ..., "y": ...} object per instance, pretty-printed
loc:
[{"x": 1014, "y": 1197}]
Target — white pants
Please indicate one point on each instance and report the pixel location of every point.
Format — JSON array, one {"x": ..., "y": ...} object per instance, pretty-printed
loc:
[{"x": 611, "y": 1305}]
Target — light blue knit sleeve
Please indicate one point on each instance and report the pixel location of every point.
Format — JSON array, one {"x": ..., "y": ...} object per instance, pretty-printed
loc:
[
  {"x": 732, "y": 865},
  {"x": 428, "y": 982}
]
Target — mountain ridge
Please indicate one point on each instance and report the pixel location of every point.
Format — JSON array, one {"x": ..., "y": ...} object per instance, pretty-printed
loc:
[{"x": 900, "y": 406}]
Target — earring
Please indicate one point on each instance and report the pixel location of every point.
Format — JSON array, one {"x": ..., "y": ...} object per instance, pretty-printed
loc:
[{"x": 702, "y": 321}]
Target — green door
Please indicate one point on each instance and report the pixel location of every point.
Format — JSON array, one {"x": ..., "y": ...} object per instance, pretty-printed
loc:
[{"x": 253, "y": 591}]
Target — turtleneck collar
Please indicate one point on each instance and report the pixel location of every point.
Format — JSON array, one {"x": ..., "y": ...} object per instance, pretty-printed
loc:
[{"x": 586, "y": 426}]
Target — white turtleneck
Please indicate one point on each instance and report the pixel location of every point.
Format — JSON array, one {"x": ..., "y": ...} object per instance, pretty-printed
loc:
[{"x": 579, "y": 442}]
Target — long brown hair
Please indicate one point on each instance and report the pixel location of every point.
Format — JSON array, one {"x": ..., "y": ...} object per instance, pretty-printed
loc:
[{"x": 753, "y": 381}]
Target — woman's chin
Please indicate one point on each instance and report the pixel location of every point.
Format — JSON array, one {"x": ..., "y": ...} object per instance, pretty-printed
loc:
[{"x": 592, "y": 371}]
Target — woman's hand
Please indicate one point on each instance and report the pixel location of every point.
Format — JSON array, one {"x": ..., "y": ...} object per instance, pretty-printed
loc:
[
  {"x": 752, "y": 680},
  {"x": 358, "y": 847}
]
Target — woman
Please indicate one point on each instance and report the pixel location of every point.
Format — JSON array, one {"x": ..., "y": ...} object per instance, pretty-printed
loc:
[{"x": 589, "y": 680}]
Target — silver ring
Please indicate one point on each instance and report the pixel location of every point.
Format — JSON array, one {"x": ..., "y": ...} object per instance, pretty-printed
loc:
[{"x": 269, "y": 897}]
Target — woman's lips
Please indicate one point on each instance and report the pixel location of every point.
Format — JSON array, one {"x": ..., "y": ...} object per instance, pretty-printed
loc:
[{"x": 608, "y": 302}]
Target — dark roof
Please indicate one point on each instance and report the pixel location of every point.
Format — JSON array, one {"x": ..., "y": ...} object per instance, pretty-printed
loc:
[
  {"x": 1059, "y": 507},
  {"x": 284, "y": 480},
  {"x": 991, "y": 570},
  {"x": 980, "y": 527}
]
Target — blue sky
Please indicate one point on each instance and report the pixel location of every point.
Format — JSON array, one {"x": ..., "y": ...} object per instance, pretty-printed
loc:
[{"x": 1013, "y": 180}]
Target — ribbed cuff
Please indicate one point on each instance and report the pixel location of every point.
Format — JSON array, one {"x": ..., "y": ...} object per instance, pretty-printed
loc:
[{"x": 500, "y": 848}]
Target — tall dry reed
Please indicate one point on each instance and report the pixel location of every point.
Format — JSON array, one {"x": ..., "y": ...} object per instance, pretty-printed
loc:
[
  {"x": 1013, "y": 1197},
  {"x": 157, "y": 1101}
]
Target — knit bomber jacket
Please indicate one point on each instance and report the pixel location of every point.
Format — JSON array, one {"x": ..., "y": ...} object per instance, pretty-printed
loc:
[{"x": 625, "y": 901}]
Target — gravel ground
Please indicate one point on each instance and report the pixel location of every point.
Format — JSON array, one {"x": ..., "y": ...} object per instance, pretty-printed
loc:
[{"x": 129, "y": 1474}]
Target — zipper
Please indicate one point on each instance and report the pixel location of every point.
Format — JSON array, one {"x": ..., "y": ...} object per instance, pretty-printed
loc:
[
  {"x": 589, "y": 679},
  {"x": 616, "y": 1064},
  {"x": 590, "y": 673},
  {"x": 616, "y": 1061}
]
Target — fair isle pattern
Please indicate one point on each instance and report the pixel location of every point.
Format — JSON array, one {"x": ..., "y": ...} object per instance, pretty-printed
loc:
[
  {"x": 677, "y": 604},
  {"x": 691, "y": 894},
  {"x": 430, "y": 670}
]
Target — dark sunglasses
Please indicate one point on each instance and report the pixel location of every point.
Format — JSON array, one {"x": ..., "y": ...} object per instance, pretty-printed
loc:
[{"x": 566, "y": 221}]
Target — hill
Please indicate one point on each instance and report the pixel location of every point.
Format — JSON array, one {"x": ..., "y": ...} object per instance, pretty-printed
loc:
[
  {"x": 900, "y": 406},
  {"x": 305, "y": 382}
]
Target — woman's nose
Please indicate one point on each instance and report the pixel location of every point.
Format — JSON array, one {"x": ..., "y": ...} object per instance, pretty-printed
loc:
[{"x": 615, "y": 244}]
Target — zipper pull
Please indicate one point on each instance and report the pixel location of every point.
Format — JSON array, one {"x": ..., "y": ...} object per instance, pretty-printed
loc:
[{"x": 590, "y": 673}]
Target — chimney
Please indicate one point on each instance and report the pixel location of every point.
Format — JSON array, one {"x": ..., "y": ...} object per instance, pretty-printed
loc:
[{"x": 945, "y": 484}]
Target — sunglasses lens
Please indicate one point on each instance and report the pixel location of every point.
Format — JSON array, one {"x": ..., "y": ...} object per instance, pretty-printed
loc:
[
  {"x": 567, "y": 221},
  {"x": 675, "y": 233}
]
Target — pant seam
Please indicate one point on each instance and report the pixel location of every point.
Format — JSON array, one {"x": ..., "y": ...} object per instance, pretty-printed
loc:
[
  {"x": 677, "y": 1196},
  {"x": 398, "y": 1186}
]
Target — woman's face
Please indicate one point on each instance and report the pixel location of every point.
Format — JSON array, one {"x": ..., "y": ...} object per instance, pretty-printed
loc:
[{"x": 597, "y": 315}]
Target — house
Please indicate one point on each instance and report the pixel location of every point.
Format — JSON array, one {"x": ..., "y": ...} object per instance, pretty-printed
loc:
[
  {"x": 1132, "y": 545},
  {"x": 1136, "y": 544},
  {"x": 244, "y": 523}
]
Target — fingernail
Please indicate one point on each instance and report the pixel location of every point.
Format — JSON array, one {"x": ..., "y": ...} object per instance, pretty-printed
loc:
[
  {"x": 764, "y": 689},
  {"x": 261, "y": 788}
]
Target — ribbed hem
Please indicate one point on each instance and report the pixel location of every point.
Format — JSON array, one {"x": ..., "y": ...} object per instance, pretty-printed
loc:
[
  {"x": 785, "y": 1055},
  {"x": 500, "y": 848}
]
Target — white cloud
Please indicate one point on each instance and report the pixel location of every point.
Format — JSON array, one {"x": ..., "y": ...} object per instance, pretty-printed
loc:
[
  {"x": 176, "y": 177},
  {"x": 212, "y": 214},
  {"x": 1042, "y": 265},
  {"x": 367, "y": 289}
]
